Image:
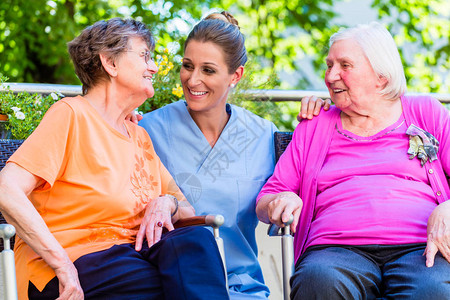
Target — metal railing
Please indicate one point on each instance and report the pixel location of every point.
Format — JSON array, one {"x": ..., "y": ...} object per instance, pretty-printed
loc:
[{"x": 272, "y": 95}]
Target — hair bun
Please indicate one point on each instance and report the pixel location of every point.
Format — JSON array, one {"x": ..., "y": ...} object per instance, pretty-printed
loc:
[{"x": 224, "y": 16}]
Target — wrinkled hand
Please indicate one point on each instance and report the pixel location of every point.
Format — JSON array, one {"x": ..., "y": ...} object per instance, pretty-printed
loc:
[
  {"x": 69, "y": 284},
  {"x": 282, "y": 207},
  {"x": 311, "y": 106},
  {"x": 438, "y": 230},
  {"x": 157, "y": 210},
  {"x": 134, "y": 117}
]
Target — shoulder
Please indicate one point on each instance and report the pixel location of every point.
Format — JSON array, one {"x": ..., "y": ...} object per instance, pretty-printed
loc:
[
  {"x": 427, "y": 113},
  {"x": 70, "y": 108},
  {"x": 161, "y": 116},
  {"x": 420, "y": 102},
  {"x": 319, "y": 121},
  {"x": 424, "y": 108},
  {"x": 76, "y": 104},
  {"x": 165, "y": 110},
  {"x": 247, "y": 117},
  {"x": 318, "y": 128}
]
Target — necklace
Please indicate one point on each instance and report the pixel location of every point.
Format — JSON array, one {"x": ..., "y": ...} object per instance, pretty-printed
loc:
[{"x": 372, "y": 139}]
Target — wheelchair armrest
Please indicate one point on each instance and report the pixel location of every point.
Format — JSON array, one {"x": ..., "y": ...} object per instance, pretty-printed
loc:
[
  {"x": 287, "y": 252},
  {"x": 275, "y": 230},
  {"x": 7, "y": 232},
  {"x": 214, "y": 221}
]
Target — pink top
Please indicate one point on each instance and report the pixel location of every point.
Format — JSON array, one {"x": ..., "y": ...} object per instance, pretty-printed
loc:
[
  {"x": 300, "y": 165},
  {"x": 371, "y": 191}
]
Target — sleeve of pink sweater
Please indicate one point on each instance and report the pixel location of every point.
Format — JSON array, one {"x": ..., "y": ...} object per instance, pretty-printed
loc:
[{"x": 286, "y": 176}]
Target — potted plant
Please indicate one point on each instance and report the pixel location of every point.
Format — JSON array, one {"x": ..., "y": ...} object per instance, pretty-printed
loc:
[{"x": 21, "y": 113}]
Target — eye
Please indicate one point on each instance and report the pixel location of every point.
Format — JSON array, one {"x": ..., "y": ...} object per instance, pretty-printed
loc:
[
  {"x": 146, "y": 56},
  {"x": 187, "y": 66},
  {"x": 209, "y": 70}
]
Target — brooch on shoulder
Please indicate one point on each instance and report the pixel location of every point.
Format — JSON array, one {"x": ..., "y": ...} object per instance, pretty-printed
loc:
[{"x": 422, "y": 144}]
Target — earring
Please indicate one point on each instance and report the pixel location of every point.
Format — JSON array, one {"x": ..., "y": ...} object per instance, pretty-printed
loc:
[{"x": 232, "y": 85}]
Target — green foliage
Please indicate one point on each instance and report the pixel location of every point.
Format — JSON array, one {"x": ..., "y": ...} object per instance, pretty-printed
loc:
[
  {"x": 34, "y": 34},
  {"x": 282, "y": 32},
  {"x": 251, "y": 80},
  {"x": 424, "y": 25},
  {"x": 24, "y": 111}
]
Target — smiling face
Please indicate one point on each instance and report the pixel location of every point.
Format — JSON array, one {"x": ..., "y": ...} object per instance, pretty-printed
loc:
[
  {"x": 135, "y": 69},
  {"x": 205, "y": 77},
  {"x": 351, "y": 81}
]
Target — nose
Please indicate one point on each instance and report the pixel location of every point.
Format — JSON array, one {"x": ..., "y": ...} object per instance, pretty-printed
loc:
[
  {"x": 194, "y": 78},
  {"x": 151, "y": 66},
  {"x": 332, "y": 74}
]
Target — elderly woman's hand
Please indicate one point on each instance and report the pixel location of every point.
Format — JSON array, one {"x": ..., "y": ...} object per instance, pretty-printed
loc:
[
  {"x": 157, "y": 215},
  {"x": 69, "y": 285},
  {"x": 311, "y": 106},
  {"x": 282, "y": 207},
  {"x": 438, "y": 230}
]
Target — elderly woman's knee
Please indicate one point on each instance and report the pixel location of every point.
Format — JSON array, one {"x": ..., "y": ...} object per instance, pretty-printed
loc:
[
  {"x": 432, "y": 288},
  {"x": 193, "y": 237},
  {"x": 315, "y": 279}
]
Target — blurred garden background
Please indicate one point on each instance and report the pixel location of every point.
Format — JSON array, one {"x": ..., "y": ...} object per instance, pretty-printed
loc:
[{"x": 287, "y": 40}]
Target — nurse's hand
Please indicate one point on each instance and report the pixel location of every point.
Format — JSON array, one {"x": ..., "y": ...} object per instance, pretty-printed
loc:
[
  {"x": 438, "y": 230},
  {"x": 157, "y": 216},
  {"x": 282, "y": 206},
  {"x": 134, "y": 117},
  {"x": 311, "y": 106}
]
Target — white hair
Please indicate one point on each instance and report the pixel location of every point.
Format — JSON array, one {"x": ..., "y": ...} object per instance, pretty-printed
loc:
[{"x": 380, "y": 49}]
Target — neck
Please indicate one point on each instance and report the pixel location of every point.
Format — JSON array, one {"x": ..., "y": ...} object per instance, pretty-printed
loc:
[
  {"x": 211, "y": 123},
  {"x": 111, "y": 106},
  {"x": 374, "y": 119}
]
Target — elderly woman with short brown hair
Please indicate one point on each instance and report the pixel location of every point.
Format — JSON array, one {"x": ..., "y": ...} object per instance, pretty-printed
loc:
[
  {"x": 370, "y": 218},
  {"x": 89, "y": 197}
]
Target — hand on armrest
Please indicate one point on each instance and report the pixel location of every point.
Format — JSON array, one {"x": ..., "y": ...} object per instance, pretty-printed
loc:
[{"x": 277, "y": 209}]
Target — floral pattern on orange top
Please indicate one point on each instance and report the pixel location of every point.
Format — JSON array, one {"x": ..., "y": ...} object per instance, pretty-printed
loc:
[{"x": 143, "y": 183}]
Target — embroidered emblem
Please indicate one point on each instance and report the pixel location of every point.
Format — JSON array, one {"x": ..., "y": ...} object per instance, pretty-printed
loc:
[{"x": 422, "y": 144}]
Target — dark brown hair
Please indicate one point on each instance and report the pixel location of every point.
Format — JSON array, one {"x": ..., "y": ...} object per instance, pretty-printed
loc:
[
  {"x": 107, "y": 37},
  {"x": 223, "y": 30}
]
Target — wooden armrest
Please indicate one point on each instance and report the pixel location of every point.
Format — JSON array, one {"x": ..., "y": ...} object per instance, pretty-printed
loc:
[{"x": 214, "y": 221}]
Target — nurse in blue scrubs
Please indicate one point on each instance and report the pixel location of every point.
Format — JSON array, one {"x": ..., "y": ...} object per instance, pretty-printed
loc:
[{"x": 220, "y": 155}]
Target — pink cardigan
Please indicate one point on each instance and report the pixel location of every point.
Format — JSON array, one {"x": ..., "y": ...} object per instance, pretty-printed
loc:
[{"x": 306, "y": 153}]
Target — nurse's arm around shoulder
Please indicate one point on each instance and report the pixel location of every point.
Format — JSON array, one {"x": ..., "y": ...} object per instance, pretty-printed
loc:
[
  {"x": 16, "y": 184},
  {"x": 277, "y": 208}
]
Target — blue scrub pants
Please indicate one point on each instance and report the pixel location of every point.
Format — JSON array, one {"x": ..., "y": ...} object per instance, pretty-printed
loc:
[
  {"x": 185, "y": 264},
  {"x": 369, "y": 272}
]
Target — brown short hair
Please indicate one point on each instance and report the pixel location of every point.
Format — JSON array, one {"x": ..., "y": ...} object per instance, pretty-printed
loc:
[
  {"x": 109, "y": 37},
  {"x": 223, "y": 30}
]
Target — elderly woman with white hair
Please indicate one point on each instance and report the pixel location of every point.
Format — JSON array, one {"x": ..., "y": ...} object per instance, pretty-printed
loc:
[{"x": 367, "y": 182}]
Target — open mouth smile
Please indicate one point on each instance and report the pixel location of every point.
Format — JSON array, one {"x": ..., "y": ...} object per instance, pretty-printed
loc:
[
  {"x": 337, "y": 91},
  {"x": 197, "y": 93}
]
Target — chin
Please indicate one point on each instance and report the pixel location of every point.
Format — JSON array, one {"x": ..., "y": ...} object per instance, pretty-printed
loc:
[{"x": 149, "y": 93}]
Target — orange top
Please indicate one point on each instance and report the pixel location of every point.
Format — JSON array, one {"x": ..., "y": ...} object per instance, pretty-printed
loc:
[{"x": 98, "y": 183}]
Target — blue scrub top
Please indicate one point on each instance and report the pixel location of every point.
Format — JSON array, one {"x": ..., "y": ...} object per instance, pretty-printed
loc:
[{"x": 222, "y": 180}]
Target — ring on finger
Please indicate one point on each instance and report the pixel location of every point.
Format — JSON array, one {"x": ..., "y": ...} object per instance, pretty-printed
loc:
[{"x": 159, "y": 224}]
